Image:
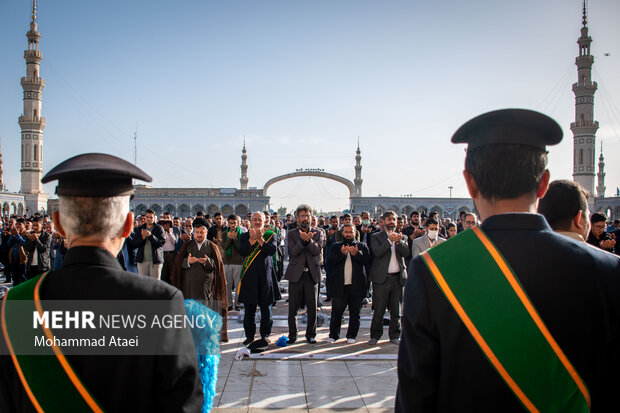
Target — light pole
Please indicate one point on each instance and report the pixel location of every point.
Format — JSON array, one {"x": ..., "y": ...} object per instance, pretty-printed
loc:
[{"x": 450, "y": 188}]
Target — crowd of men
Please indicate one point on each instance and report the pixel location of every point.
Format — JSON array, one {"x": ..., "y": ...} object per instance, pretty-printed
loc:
[
  {"x": 520, "y": 310},
  {"x": 353, "y": 259}
]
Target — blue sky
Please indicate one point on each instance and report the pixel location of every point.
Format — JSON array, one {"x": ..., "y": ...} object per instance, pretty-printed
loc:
[{"x": 302, "y": 80}]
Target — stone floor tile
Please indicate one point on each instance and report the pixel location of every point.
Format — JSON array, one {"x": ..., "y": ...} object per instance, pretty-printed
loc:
[
  {"x": 235, "y": 398},
  {"x": 278, "y": 400}
]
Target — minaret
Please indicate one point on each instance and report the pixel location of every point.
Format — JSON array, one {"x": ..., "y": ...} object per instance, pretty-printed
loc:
[
  {"x": 32, "y": 123},
  {"x": 1, "y": 173},
  {"x": 358, "y": 170},
  {"x": 600, "y": 189},
  {"x": 584, "y": 127},
  {"x": 244, "y": 168}
]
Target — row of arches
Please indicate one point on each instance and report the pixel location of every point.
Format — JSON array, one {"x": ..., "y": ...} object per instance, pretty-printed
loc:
[
  {"x": 185, "y": 210},
  {"x": 611, "y": 212},
  {"x": 12, "y": 208},
  {"x": 422, "y": 209}
]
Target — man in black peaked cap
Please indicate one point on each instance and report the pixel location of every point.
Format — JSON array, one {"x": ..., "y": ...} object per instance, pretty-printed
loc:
[
  {"x": 94, "y": 191},
  {"x": 509, "y": 316}
]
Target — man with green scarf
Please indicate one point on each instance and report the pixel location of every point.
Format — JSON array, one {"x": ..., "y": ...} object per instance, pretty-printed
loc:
[{"x": 232, "y": 259}]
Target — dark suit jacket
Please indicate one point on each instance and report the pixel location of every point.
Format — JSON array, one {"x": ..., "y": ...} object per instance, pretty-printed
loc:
[
  {"x": 120, "y": 383},
  {"x": 41, "y": 247},
  {"x": 575, "y": 289},
  {"x": 212, "y": 233},
  {"x": 336, "y": 260},
  {"x": 382, "y": 252},
  {"x": 259, "y": 284},
  {"x": 301, "y": 252},
  {"x": 157, "y": 243}
]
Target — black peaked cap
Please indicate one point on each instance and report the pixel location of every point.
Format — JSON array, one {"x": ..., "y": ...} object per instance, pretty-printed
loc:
[
  {"x": 95, "y": 175},
  {"x": 509, "y": 126}
]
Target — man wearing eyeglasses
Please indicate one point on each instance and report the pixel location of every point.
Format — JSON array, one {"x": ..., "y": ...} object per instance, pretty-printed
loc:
[
  {"x": 598, "y": 237},
  {"x": 470, "y": 220}
]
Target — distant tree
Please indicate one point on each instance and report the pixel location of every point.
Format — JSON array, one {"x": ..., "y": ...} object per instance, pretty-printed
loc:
[{"x": 282, "y": 211}]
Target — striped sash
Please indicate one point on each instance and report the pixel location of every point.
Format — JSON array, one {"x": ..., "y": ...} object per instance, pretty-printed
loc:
[
  {"x": 487, "y": 296},
  {"x": 267, "y": 235},
  {"x": 49, "y": 380}
]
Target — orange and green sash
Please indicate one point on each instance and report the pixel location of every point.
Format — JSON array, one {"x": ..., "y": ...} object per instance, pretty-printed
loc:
[
  {"x": 492, "y": 304},
  {"x": 267, "y": 235},
  {"x": 49, "y": 380}
]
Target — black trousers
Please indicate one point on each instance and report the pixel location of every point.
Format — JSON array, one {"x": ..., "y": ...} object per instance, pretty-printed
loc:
[
  {"x": 388, "y": 295},
  {"x": 166, "y": 269},
  {"x": 304, "y": 289},
  {"x": 354, "y": 302},
  {"x": 18, "y": 272},
  {"x": 266, "y": 322},
  {"x": 7, "y": 272}
]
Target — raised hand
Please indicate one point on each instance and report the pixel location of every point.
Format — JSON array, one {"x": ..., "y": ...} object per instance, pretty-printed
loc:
[{"x": 190, "y": 259}]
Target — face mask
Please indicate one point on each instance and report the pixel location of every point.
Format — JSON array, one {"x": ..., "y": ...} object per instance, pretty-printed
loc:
[
  {"x": 433, "y": 234},
  {"x": 365, "y": 222}
]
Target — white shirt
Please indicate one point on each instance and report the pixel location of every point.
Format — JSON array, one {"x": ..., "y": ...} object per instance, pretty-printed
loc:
[
  {"x": 394, "y": 265},
  {"x": 171, "y": 240}
]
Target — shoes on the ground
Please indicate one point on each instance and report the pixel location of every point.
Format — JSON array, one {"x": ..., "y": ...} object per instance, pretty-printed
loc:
[
  {"x": 311, "y": 340},
  {"x": 386, "y": 321},
  {"x": 350, "y": 341},
  {"x": 365, "y": 301},
  {"x": 291, "y": 340},
  {"x": 248, "y": 341},
  {"x": 230, "y": 308},
  {"x": 395, "y": 341},
  {"x": 327, "y": 300},
  {"x": 373, "y": 342},
  {"x": 330, "y": 340},
  {"x": 237, "y": 308}
]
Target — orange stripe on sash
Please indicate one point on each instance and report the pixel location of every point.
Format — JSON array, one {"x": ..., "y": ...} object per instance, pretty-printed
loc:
[
  {"x": 20, "y": 373},
  {"x": 61, "y": 357},
  {"x": 476, "y": 334},
  {"x": 530, "y": 309}
]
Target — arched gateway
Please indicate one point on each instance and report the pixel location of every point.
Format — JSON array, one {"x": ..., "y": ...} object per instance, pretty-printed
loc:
[{"x": 312, "y": 172}]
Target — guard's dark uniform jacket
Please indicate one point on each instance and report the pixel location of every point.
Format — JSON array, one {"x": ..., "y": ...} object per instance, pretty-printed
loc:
[
  {"x": 574, "y": 287},
  {"x": 119, "y": 383}
]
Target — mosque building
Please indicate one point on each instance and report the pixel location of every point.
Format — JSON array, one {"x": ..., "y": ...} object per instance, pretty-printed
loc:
[{"x": 187, "y": 201}]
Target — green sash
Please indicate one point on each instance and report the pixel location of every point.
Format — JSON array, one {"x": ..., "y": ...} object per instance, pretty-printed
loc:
[
  {"x": 490, "y": 301},
  {"x": 49, "y": 380},
  {"x": 267, "y": 235}
]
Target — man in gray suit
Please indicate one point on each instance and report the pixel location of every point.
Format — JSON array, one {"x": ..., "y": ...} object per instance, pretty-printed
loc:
[
  {"x": 303, "y": 272},
  {"x": 429, "y": 239},
  {"x": 388, "y": 275}
]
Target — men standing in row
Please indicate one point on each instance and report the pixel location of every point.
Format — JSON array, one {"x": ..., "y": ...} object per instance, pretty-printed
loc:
[
  {"x": 257, "y": 285},
  {"x": 303, "y": 272},
  {"x": 233, "y": 261},
  {"x": 388, "y": 276},
  {"x": 149, "y": 240},
  {"x": 347, "y": 284}
]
